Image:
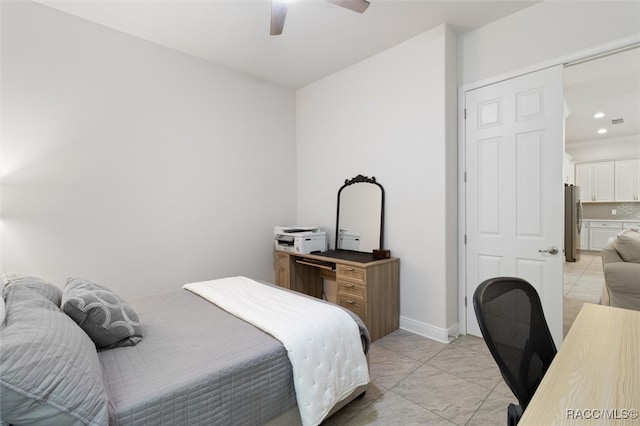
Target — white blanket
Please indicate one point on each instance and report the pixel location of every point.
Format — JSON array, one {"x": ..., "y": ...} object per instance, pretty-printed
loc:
[{"x": 322, "y": 341}]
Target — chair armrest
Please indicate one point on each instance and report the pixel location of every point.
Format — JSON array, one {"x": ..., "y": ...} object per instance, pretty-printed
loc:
[{"x": 623, "y": 284}]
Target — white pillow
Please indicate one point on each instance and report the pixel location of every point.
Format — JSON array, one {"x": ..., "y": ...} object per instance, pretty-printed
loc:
[{"x": 627, "y": 244}]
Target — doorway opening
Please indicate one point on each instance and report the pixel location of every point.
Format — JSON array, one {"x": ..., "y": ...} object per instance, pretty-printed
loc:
[
  {"x": 602, "y": 126},
  {"x": 570, "y": 61}
]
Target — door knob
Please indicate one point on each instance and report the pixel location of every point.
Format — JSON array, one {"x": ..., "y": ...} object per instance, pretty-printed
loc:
[{"x": 550, "y": 250}]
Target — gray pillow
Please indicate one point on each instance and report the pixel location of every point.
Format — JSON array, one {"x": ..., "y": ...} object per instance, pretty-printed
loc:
[
  {"x": 45, "y": 288},
  {"x": 102, "y": 314},
  {"x": 50, "y": 374}
]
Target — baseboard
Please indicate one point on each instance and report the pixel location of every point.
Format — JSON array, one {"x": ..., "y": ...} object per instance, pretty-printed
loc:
[
  {"x": 443, "y": 335},
  {"x": 454, "y": 331}
]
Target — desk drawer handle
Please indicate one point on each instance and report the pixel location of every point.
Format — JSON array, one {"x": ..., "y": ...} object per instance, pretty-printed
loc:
[
  {"x": 349, "y": 269},
  {"x": 349, "y": 285},
  {"x": 351, "y": 302}
]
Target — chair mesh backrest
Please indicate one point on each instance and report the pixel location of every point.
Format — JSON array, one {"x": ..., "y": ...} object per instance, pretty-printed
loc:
[{"x": 512, "y": 322}]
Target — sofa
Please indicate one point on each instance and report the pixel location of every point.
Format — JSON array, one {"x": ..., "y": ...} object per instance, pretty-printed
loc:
[{"x": 621, "y": 264}]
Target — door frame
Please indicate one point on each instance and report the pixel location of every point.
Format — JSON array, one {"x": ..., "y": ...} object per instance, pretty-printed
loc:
[{"x": 564, "y": 60}]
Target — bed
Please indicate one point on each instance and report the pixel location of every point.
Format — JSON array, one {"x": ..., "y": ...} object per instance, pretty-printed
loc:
[{"x": 195, "y": 364}]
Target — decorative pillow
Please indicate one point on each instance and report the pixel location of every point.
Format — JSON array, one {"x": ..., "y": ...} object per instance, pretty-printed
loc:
[
  {"x": 627, "y": 244},
  {"x": 102, "y": 314},
  {"x": 38, "y": 285},
  {"x": 50, "y": 374}
]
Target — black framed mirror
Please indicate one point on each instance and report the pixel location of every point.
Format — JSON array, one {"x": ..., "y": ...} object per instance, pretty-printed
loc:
[{"x": 360, "y": 215}]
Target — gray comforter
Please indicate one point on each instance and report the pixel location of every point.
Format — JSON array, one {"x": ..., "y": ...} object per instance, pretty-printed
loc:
[{"x": 198, "y": 365}]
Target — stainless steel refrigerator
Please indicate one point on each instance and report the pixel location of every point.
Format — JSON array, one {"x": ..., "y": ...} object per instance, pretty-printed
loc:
[{"x": 572, "y": 222}]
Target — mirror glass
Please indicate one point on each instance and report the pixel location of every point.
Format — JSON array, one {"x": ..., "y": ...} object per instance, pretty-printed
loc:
[{"x": 360, "y": 215}]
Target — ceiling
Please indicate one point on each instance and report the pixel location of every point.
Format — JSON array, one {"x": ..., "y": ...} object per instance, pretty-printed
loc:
[
  {"x": 319, "y": 38},
  {"x": 611, "y": 85}
]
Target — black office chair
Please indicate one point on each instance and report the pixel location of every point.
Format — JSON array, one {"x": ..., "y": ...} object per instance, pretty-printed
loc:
[{"x": 512, "y": 323}]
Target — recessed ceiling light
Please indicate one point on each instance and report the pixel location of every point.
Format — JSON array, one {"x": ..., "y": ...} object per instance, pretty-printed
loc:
[
  {"x": 598, "y": 115},
  {"x": 602, "y": 131}
]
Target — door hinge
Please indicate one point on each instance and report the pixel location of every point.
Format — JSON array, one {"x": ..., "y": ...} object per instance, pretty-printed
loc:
[
  {"x": 465, "y": 239},
  {"x": 465, "y": 177},
  {"x": 465, "y": 301},
  {"x": 465, "y": 113}
]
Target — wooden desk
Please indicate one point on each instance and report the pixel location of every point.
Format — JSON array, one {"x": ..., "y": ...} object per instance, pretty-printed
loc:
[
  {"x": 595, "y": 377},
  {"x": 370, "y": 289}
]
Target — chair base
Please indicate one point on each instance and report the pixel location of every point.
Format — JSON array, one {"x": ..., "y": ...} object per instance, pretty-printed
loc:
[{"x": 514, "y": 413}]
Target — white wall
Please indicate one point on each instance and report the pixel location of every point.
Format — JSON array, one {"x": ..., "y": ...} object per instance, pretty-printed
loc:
[
  {"x": 542, "y": 32},
  {"x": 389, "y": 116},
  {"x": 134, "y": 165},
  {"x": 605, "y": 149}
]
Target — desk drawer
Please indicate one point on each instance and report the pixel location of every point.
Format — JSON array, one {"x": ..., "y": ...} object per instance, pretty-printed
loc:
[
  {"x": 349, "y": 289},
  {"x": 282, "y": 260},
  {"x": 354, "y": 305},
  {"x": 351, "y": 273}
]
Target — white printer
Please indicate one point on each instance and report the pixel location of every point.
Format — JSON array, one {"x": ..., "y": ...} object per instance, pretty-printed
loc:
[
  {"x": 300, "y": 239},
  {"x": 348, "y": 241}
]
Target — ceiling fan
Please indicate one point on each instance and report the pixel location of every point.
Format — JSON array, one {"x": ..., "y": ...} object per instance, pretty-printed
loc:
[{"x": 279, "y": 11}]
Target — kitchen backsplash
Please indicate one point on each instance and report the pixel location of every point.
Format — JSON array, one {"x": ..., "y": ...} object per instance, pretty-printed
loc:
[{"x": 603, "y": 211}]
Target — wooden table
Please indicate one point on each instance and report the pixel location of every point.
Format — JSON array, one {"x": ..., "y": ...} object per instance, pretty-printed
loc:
[{"x": 595, "y": 377}]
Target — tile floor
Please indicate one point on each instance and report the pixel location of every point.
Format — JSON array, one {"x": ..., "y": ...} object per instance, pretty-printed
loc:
[
  {"x": 419, "y": 381},
  {"x": 583, "y": 282}
]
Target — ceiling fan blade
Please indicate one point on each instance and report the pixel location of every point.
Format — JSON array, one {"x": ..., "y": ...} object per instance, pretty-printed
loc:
[
  {"x": 356, "y": 5},
  {"x": 278, "y": 15}
]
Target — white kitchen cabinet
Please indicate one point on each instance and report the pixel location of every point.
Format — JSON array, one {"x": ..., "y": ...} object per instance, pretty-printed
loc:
[
  {"x": 632, "y": 224},
  {"x": 604, "y": 173},
  {"x": 584, "y": 179},
  {"x": 601, "y": 231},
  {"x": 627, "y": 180},
  {"x": 584, "y": 236},
  {"x": 596, "y": 181},
  {"x": 569, "y": 170}
]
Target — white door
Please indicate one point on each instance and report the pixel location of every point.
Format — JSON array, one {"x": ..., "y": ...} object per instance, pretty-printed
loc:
[{"x": 514, "y": 189}]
